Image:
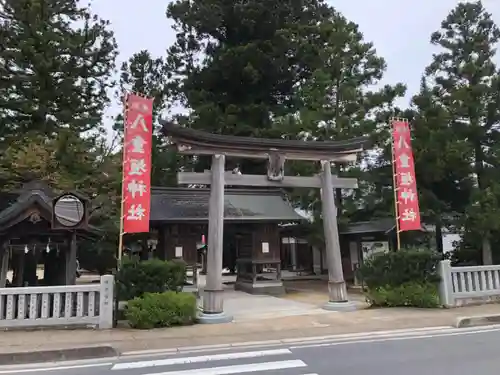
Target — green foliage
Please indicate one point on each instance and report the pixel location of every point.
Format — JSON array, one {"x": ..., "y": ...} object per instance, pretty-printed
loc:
[
  {"x": 408, "y": 277},
  {"x": 57, "y": 62},
  {"x": 393, "y": 269},
  {"x": 135, "y": 278},
  {"x": 56, "y": 69},
  {"x": 460, "y": 105},
  {"x": 149, "y": 76},
  {"x": 156, "y": 310},
  {"x": 254, "y": 52},
  {"x": 338, "y": 102},
  {"x": 410, "y": 294},
  {"x": 446, "y": 187}
]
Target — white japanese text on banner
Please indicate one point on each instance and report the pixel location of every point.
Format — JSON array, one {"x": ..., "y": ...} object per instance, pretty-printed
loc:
[
  {"x": 406, "y": 183},
  {"x": 138, "y": 137}
]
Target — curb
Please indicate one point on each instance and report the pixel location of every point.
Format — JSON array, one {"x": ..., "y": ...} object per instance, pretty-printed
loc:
[
  {"x": 279, "y": 342},
  {"x": 477, "y": 321},
  {"x": 58, "y": 355}
]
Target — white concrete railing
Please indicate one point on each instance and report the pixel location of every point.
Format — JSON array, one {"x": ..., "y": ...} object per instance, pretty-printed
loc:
[
  {"x": 460, "y": 285},
  {"x": 63, "y": 305}
]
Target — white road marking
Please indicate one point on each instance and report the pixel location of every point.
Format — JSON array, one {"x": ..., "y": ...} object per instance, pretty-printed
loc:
[
  {"x": 199, "y": 359},
  {"x": 308, "y": 342},
  {"x": 239, "y": 369},
  {"x": 367, "y": 340},
  {"x": 56, "y": 368}
]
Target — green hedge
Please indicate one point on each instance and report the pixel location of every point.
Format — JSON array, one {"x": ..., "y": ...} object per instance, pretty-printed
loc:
[
  {"x": 155, "y": 310},
  {"x": 408, "y": 277},
  {"x": 406, "y": 295},
  {"x": 399, "y": 267},
  {"x": 135, "y": 278}
]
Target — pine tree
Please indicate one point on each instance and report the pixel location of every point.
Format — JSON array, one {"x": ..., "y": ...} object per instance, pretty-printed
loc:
[
  {"x": 338, "y": 102},
  {"x": 466, "y": 83},
  {"x": 254, "y": 53},
  {"x": 148, "y": 76},
  {"x": 443, "y": 174},
  {"x": 56, "y": 60}
]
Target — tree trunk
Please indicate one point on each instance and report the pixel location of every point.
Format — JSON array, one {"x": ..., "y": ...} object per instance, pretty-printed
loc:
[
  {"x": 486, "y": 243},
  {"x": 486, "y": 252},
  {"x": 439, "y": 238}
]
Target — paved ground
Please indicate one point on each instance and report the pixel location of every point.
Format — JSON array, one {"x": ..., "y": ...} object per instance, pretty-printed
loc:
[
  {"x": 315, "y": 292},
  {"x": 304, "y": 297},
  {"x": 246, "y": 307},
  {"x": 257, "y": 318},
  {"x": 281, "y": 327},
  {"x": 426, "y": 351}
]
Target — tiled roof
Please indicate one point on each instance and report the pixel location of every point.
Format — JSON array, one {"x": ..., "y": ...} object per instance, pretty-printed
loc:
[
  {"x": 184, "y": 204},
  {"x": 382, "y": 225}
]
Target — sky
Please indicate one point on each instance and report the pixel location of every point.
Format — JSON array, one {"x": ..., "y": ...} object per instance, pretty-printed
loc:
[{"x": 400, "y": 30}]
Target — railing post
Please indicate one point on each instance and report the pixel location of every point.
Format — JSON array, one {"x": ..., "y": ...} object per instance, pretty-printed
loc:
[
  {"x": 106, "y": 302},
  {"x": 446, "y": 284}
]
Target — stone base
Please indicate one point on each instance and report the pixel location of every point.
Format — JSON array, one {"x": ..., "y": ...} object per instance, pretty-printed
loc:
[
  {"x": 219, "y": 318},
  {"x": 266, "y": 288},
  {"x": 339, "y": 306}
]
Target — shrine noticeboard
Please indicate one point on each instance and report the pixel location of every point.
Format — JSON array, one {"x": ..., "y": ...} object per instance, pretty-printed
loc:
[
  {"x": 405, "y": 181},
  {"x": 136, "y": 184}
]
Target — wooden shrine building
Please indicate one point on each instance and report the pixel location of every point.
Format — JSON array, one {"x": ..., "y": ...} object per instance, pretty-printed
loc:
[
  {"x": 251, "y": 231},
  {"x": 38, "y": 226}
]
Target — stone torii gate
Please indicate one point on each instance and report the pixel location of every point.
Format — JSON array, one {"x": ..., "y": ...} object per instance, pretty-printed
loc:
[{"x": 276, "y": 151}]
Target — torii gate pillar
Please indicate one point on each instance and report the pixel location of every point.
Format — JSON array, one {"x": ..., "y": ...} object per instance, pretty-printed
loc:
[
  {"x": 337, "y": 290},
  {"x": 213, "y": 297}
]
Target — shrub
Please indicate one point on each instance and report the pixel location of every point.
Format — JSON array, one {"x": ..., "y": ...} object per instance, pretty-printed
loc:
[
  {"x": 400, "y": 267},
  {"x": 155, "y": 310},
  {"x": 406, "y": 295},
  {"x": 136, "y": 278},
  {"x": 408, "y": 277}
]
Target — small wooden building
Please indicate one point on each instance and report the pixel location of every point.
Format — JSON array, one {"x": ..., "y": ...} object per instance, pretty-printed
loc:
[
  {"x": 28, "y": 238},
  {"x": 251, "y": 231},
  {"x": 357, "y": 241}
]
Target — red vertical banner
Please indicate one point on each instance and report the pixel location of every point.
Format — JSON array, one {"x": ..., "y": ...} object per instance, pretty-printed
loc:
[
  {"x": 136, "y": 184},
  {"x": 406, "y": 183}
]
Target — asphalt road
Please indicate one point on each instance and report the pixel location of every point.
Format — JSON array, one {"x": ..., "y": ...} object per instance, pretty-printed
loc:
[{"x": 457, "y": 352}]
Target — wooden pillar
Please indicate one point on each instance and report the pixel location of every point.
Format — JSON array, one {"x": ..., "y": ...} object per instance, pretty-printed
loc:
[
  {"x": 337, "y": 290},
  {"x": 48, "y": 268},
  {"x": 4, "y": 266},
  {"x": 161, "y": 246},
  {"x": 213, "y": 293},
  {"x": 293, "y": 253},
  {"x": 18, "y": 269},
  {"x": 30, "y": 267},
  {"x": 316, "y": 256},
  {"x": 71, "y": 261}
]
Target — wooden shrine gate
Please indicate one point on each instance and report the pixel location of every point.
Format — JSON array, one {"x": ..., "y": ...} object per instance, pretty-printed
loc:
[{"x": 276, "y": 151}]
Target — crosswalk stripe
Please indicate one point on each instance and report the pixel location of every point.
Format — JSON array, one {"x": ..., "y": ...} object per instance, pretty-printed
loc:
[
  {"x": 238, "y": 369},
  {"x": 199, "y": 359}
]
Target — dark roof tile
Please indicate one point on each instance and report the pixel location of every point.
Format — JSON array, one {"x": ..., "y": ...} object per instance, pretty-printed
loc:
[{"x": 184, "y": 204}]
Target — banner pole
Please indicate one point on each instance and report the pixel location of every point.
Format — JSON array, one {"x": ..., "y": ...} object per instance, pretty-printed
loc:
[
  {"x": 122, "y": 200},
  {"x": 395, "y": 187},
  {"x": 120, "y": 239}
]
